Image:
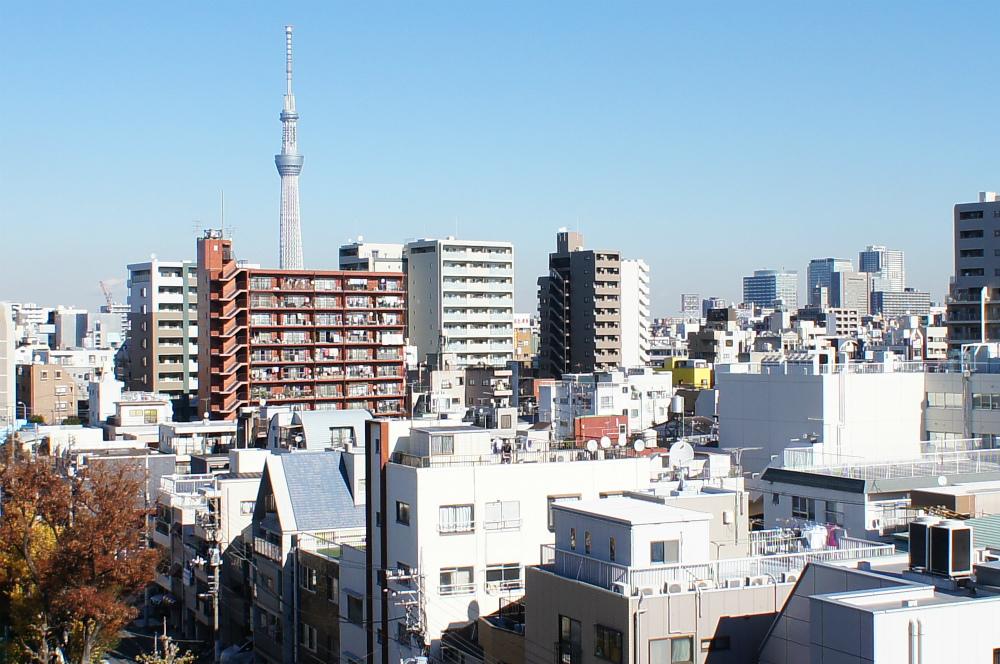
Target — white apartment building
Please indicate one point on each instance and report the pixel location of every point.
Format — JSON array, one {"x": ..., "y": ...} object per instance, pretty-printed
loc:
[
  {"x": 844, "y": 411},
  {"x": 8, "y": 392},
  {"x": 163, "y": 334},
  {"x": 644, "y": 395},
  {"x": 461, "y": 300},
  {"x": 462, "y": 524},
  {"x": 635, "y": 319},
  {"x": 371, "y": 257}
]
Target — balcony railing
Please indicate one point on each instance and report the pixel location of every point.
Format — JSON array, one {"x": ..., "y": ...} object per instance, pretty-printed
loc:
[{"x": 457, "y": 589}]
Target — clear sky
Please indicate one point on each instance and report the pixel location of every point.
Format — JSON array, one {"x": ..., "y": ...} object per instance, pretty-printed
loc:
[{"x": 707, "y": 138}]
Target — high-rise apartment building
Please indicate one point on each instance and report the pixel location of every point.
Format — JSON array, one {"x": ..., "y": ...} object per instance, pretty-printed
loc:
[
  {"x": 371, "y": 257},
  {"x": 819, "y": 276},
  {"x": 461, "y": 301},
  {"x": 579, "y": 309},
  {"x": 886, "y": 267},
  {"x": 635, "y": 313},
  {"x": 8, "y": 394},
  {"x": 975, "y": 288},
  {"x": 314, "y": 340},
  {"x": 908, "y": 302},
  {"x": 162, "y": 352},
  {"x": 772, "y": 288},
  {"x": 850, "y": 290},
  {"x": 690, "y": 304}
]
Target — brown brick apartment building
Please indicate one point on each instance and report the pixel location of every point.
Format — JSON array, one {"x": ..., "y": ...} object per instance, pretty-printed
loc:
[{"x": 311, "y": 339}]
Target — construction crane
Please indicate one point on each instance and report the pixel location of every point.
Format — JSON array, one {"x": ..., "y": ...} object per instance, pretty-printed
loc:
[{"x": 107, "y": 294}]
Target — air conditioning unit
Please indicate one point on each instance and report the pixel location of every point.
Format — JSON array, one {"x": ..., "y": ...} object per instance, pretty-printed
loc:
[
  {"x": 733, "y": 583},
  {"x": 704, "y": 584},
  {"x": 674, "y": 587},
  {"x": 789, "y": 577},
  {"x": 620, "y": 588},
  {"x": 647, "y": 590},
  {"x": 759, "y": 580}
]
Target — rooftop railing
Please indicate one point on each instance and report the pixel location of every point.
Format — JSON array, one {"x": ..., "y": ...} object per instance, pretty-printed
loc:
[
  {"x": 520, "y": 456},
  {"x": 683, "y": 577},
  {"x": 186, "y": 484},
  {"x": 931, "y": 464}
]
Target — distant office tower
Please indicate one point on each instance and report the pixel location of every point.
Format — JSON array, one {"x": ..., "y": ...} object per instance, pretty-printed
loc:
[
  {"x": 8, "y": 395},
  {"x": 70, "y": 327},
  {"x": 461, "y": 301},
  {"x": 289, "y": 164},
  {"x": 690, "y": 304},
  {"x": 850, "y": 290},
  {"x": 886, "y": 266},
  {"x": 772, "y": 288},
  {"x": 909, "y": 302},
  {"x": 975, "y": 288},
  {"x": 818, "y": 278},
  {"x": 712, "y": 303},
  {"x": 635, "y": 313},
  {"x": 314, "y": 340},
  {"x": 162, "y": 353},
  {"x": 371, "y": 257},
  {"x": 579, "y": 309}
]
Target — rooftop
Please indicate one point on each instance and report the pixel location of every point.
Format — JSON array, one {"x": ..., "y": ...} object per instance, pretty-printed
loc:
[{"x": 633, "y": 511}]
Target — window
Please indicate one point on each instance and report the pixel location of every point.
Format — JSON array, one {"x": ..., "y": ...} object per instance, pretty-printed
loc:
[
  {"x": 505, "y": 576},
  {"x": 333, "y": 589},
  {"x": 570, "y": 641},
  {"x": 442, "y": 445},
  {"x": 307, "y": 637},
  {"x": 402, "y": 513},
  {"x": 455, "y": 519},
  {"x": 678, "y": 650},
  {"x": 355, "y": 609},
  {"x": 572, "y": 538},
  {"x": 715, "y": 644},
  {"x": 246, "y": 507},
  {"x": 503, "y": 515},
  {"x": 834, "y": 512},
  {"x": 608, "y": 644},
  {"x": 665, "y": 552},
  {"x": 803, "y": 508},
  {"x": 553, "y": 499},
  {"x": 968, "y": 235},
  {"x": 611, "y": 549},
  {"x": 971, "y": 214},
  {"x": 944, "y": 399},
  {"x": 456, "y": 581},
  {"x": 308, "y": 578},
  {"x": 970, "y": 253},
  {"x": 971, "y": 272},
  {"x": 586, "y": 542}
]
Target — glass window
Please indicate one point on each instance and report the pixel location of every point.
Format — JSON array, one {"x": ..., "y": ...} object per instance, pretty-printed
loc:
[
  {"x": 402, "y": 513},
  {"x": 611, "y": 549},
  {"x": 570, "y": 641},
  {"x": 506, "y": 576},
  {"x": 503, "y": 515},
  {"x": 355, "y": 609},
  {"x": 572, "y": 538},
  {"x": 456, "y": 581},
  {"x": 586, "y": 541},
  {"x": 665, "y": 552},
  {"x": 442, "y": 445},
  {"x": 455, "y": 519},
  {"x": 608, "y": 644},
  {"x": 804, "y": 508},
  {"x": 678, "y": 650}
]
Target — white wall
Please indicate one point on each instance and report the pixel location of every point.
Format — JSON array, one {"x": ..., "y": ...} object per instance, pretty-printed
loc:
[{"x": 635, "y": 322}]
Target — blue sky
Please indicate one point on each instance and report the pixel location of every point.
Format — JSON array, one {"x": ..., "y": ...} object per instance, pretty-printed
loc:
[{"x": 708, "y": 138}]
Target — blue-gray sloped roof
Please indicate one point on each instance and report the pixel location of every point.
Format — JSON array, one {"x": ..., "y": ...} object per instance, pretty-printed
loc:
[
  {"x": 986, "y": 530},
  {"x": 319, "y": 493}
]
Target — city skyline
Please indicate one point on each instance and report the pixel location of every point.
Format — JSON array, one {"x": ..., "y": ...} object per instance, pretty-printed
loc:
[{"x": 395, "y": 141}]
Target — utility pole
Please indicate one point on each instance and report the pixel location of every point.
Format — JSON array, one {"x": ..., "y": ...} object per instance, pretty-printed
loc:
[{"x": 210, "y": 522}]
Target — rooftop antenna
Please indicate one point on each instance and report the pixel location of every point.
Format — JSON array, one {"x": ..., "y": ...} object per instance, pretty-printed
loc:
[{"x": 222, "y": 193}]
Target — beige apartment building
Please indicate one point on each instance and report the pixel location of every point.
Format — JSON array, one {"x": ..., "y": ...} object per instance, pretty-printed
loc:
[{"x": 46, "y": 390}]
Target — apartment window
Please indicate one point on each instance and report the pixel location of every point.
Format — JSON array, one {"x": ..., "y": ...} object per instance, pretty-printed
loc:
[
  {"x": 333, "y": 589},
  {"x": 971, "y": 272},
  {"x": 611, "y": 549},
  {"x": 307, "y": 637},
  {"x": 456, "y": 519},
  {"x": 971, "y": 214},
  {"x": 572, "y": 538},
  {"x": 503, "y": 515},
  {"x": 402, "y": 513},
  {"x": 442, "y": 445},
  {"x": 586, "y": 541},
  {"x": 570, "y": 641},
  {"x": 986, "y": 401},
  {"x": 834, "y": 512},
  {"x": 246, "y": 507},
  {"x": 308, "y": 578},
  {"x": 456, "y": 581},
  {"x": 505, "y": 576},
  {"x": 552, "y": 500},
  {"x": 971, "y": 253},
  {"x": 607, "y": 644},
  {"x": 944, "y": 399},
  {"x": 44, "y": 375},
  {"x": 996, "y": 656},
  {"x": 968, "y": 235},
  {"x": 678, "y": 650},
  {"x": 715, "y": 644},
  {"x": 355, "y": 609},
  {"x": 803, "y": 508},
  {"x": 665, "y": 552}
]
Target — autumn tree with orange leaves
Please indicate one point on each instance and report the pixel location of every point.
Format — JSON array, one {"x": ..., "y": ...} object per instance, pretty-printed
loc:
[{"x": 73, "y": 556}]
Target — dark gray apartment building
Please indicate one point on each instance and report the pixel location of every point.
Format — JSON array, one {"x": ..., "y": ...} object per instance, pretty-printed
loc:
[
  {"x": 975, "y": 288},
  {"x": 579, "y": 308}
]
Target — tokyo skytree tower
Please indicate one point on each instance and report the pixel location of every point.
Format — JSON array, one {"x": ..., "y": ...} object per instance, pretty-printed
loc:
[{"x": 289, "y": 164}]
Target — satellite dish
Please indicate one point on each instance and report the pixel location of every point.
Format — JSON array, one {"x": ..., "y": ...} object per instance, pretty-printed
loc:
[
  {"x": 681, "y": 454},
  {"x": 621, "y": 440},
  {"x": 605, "y": 442},
  {"x": 942, "y": 480},
  {"x": 591, "y": 445},
  {"x": 638, "y": 445}
]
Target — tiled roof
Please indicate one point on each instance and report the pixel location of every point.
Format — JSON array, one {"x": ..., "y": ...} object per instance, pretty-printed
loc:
[{"x": 319, "y": 493}]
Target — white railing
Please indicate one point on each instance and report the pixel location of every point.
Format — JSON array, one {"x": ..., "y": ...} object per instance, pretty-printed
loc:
[
  {"x": 793, "y": 367},
  {"x": 775, "y": 540},
  {"x": 457, "y": 589},
  {"x": 186, "y": 484},
  {"x": 934, "y": 464},
  {"x": 715, "y": 572},
  {"x": 267, "y": 549},
  {"x": 452, "y": 528}
]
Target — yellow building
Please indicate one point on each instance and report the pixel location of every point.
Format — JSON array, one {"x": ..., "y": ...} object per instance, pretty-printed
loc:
[{"x": 691, "y": 373}]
